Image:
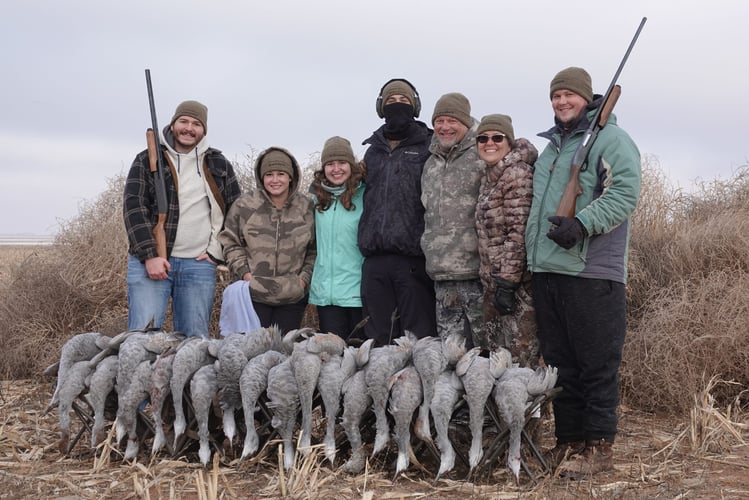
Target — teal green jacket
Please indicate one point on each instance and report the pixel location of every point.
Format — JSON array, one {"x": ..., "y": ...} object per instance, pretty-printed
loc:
[
  {"x": 336, "y": 279},
  {"x": 610, "y": 191}
]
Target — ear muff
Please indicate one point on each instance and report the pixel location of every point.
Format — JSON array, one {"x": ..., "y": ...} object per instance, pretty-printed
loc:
[{"x": 417, "y": 100}]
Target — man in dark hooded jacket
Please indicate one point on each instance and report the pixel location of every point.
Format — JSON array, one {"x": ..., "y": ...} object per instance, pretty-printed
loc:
[{"x": 397, "y": 293}]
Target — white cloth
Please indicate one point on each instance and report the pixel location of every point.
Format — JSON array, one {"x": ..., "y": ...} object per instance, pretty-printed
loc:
[{"x": 237, "y": 313}]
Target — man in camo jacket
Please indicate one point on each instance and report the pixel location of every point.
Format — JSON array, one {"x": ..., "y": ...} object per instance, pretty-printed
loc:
[{"x": 449, "y": 189}]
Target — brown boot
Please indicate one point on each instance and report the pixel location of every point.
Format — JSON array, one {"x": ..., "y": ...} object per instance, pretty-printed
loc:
[
  {"x": 598, "y": 456},
  {"x": 561, "y": 452}
]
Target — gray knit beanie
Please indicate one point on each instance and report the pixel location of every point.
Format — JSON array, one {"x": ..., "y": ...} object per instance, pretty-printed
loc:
[
  {"x": 575, "y": 79},
  {"x": 276, "y": 160},
  {"x": 455, "y": 105},
  {"x": 337, "y": 148},
  {"x": 193, "y": 109},
  {"x": 500, "y": 123}
]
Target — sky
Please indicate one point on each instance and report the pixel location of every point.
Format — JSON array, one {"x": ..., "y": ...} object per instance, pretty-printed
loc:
[{"x": 293, "y": 73}]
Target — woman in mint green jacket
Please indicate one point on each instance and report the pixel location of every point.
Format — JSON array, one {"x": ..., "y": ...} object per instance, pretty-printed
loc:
[{"x": 338, "y": 191}]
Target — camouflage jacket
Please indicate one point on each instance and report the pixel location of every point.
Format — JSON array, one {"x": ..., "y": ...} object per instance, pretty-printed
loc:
[
  {"x": 276, "y": 245},
  {"x": 504, "y": 203},
  {"x": 449, "y": 187}
]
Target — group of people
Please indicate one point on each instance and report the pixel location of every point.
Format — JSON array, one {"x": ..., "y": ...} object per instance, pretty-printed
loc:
[{"x": 437, "y": 230}]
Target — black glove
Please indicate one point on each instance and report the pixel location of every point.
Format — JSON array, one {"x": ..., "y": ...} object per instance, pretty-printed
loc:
[
  {"x": 504, "y": 297},
  {"x": 567, "y": 231}
]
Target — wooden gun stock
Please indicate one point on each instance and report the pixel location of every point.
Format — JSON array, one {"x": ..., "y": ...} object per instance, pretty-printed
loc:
[
  {"x": 567, "y": 205},
  {"x": 159, "y": 231}
]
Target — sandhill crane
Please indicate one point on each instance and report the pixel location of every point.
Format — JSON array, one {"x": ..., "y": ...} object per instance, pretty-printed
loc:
[
  {"x": 383, "y": 363},
  {"x": 512, "y": 391},
  {"x": 101, "y": 385},
  {"x": 405, "y": 397},
  {"x": 478, "y": 375},
  {"x": 189, "y": 358},
  {"x": 203, "y": 393},
  {"x": 431, "y": 356},
  {"x": 283, "y": 400},
  {"x": 447, "y": 392},
  {"x": 74, "y": 382},
  {"x": 252, "y": 383}
]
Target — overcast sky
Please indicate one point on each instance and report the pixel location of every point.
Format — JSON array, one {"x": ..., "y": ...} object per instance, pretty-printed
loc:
[{"x": 293, "y": 73}]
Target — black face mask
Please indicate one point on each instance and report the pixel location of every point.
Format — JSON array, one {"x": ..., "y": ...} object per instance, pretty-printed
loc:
[{"x": 398, "y": 119}]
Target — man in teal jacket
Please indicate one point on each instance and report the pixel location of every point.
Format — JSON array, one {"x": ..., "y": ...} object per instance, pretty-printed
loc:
[{"x": 579, "y": 268}]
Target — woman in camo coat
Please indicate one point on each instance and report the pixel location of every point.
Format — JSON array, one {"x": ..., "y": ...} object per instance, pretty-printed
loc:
[
  {"x": 501, "y": 215},
  {"x": 269, "y": 240}
]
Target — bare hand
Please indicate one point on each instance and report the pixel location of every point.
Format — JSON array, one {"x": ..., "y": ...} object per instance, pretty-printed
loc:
[
  {"x": 158, "y": 268},
  {"x": 205, "y": 256}
]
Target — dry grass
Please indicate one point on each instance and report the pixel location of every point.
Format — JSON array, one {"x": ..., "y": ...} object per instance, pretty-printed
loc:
[{"x": 688, "y": 292}]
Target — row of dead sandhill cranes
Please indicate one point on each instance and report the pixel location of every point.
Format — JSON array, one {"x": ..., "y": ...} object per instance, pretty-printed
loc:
[{"x": 428, "y": 375}]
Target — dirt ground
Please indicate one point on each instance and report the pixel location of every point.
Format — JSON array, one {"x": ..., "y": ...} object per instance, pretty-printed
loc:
[{"x": 653, "y": 459}]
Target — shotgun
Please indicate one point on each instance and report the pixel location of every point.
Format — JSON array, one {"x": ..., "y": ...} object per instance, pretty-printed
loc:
[
  {"x": 572, "y": 190},
  {"x": 156, "y": 162}
]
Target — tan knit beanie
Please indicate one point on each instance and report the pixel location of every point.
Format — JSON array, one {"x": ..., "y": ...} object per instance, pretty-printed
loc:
[
  {"x": 337, "y": 148},
  {"x": 575, "y": 79},
  {"x": 455, "y": 105},
  {"x": 193, "y": 109},
  {"x": 501, "y": 123},
  {"x": 398, "y": 87},
  {"x": 276, "y": 160}
]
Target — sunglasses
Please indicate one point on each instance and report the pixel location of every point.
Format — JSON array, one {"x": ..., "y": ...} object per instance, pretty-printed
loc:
[{"x": 496, "y": 138}]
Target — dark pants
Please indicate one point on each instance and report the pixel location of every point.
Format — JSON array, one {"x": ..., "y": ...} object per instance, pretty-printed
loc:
[
  {"x": 287, "y": 316},
  {"x": 391, "y": 282},
  {"x": 581, "y": 328},
  {"x": 340, "y": 320}
]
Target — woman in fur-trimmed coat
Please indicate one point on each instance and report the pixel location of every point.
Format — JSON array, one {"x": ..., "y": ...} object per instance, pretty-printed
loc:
[{"x": 501, "y": 215}]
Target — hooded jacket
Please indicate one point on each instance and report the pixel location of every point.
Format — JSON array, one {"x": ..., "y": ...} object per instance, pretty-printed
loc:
[
  {"x": 610, "y": 191},
  {"x": 140, "y": 211},
  {"x": 393, "y": 217},
  {"x": 449, "y": 187},
  {"x": 336, "y": 280},
  {"x": 504, "y": 202},
  {"x": 276, "y": 245}
]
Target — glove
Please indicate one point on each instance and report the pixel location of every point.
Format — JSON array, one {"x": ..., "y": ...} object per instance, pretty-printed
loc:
[
  {"x": 568, "y": 232},
  {"x": 504, "y": 297}
]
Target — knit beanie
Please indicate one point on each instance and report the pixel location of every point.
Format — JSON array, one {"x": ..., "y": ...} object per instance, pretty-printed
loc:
[
  {"x": 575, "y": 79},
  {"x": 398, "y": 87},
  {"x": 455, "y": 105},
  {"x": 501, "y": 123},
  {"x": 337, "y": 148},
  {"x": 193, "y": 109},
  {"x": 276, "y": 160}
]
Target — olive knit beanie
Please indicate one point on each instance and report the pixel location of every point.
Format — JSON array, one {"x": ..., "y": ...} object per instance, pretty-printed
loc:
[
  {"x": 276, "y": 160},
  {"x": 575, "y": 79},
  {"x": 193, "y": 109},
  {"x": 337, "y": 148},
  {"x": 501, "y": 123},
  {"x": 398, "y": 87},
  {"x": 455, "y": 105}
]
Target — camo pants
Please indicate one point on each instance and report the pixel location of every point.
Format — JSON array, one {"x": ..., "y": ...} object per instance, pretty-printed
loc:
[
  {"x": 516, "y": 332},
  {"x": 459, "y": 309}
]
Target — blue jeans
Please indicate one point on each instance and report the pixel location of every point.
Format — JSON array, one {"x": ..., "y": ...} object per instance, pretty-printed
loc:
[{"x": 191, "y": 285}]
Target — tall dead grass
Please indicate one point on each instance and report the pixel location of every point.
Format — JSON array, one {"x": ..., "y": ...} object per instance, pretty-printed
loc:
[{"x": 688, "y": 290}]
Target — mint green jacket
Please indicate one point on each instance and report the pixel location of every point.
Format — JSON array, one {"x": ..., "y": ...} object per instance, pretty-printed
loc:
[
  {"x": 610, "y": 191},
  {"x": 336, "y": 279}
]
